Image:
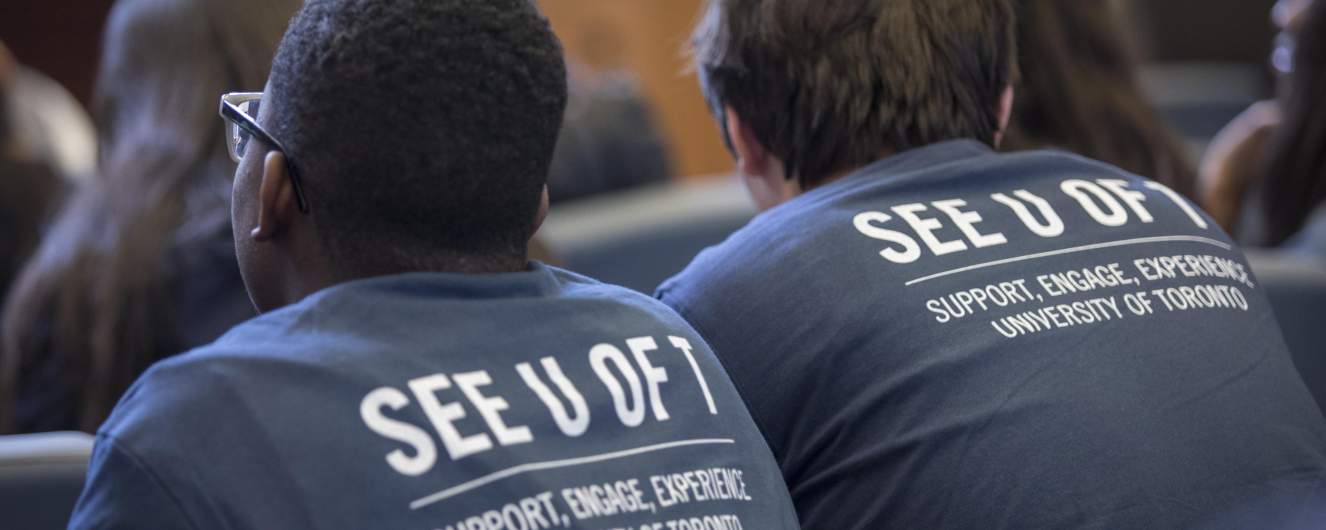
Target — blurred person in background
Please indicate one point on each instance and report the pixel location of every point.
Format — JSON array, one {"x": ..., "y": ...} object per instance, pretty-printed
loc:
[
  {"x": 140, "y": 264},
  {"x": 609, "y": 141},
  {"x": 47, "y": 123},
  {"x": 1294, "y": 189},
  {"x": 1290, "y": 204},
  {"x": 1232, "y": 170},
  {"x": 900, "y": 321},
  {"x": 29, "y": 189},
  {"x": 1080, "y": 92}
]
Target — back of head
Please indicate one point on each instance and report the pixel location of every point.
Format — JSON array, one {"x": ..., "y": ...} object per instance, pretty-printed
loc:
[
  {"x": 829, "y": 85},
  {"x": 422, "y": 129},
  {"x": 1080, "y": 92},
  {"x": 1295, "y": 184},
  {"x": 97, "y": 296}
]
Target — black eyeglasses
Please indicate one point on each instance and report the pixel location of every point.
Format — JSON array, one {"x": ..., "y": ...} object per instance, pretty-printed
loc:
[{"x": 240, "y": 110}]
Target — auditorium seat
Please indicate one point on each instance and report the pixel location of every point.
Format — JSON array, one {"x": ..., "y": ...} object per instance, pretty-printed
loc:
[
  {"x": 41, "y": 476},
  {"x": 1199, "y": 99},
  {"x": 641, "y": 237},
  {"x": 1297, "y": 290}
]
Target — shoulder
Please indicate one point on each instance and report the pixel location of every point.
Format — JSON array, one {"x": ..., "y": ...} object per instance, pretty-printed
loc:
[
  {"x": 176, "y": 397},
  {"x": 125, "y": 491},
  {"x": 167, "y": 395},
  {"x": 714, "y": 267},
  {"x": 145, "y": 468},
  {"x": 778, "y": 267}
]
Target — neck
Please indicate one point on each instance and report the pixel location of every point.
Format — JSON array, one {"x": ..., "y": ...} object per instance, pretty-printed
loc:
[
  {"x": 313, "y": 277},
  {"x": 844, "y": 172},
  {"x": 828, "y": 180},
  {"x": 388, "y": 264}
]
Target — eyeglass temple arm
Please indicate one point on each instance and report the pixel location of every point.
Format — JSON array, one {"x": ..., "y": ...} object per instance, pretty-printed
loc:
[{"x": 230, "y": 112}]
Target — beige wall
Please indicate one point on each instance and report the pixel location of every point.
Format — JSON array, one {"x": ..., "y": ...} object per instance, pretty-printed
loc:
[{"x": 648, "y": 37}]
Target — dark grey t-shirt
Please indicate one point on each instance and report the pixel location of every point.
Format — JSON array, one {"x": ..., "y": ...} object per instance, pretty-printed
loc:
[
  {"x": 954, "y": 338},
  {"x": 453, "y": 402}
]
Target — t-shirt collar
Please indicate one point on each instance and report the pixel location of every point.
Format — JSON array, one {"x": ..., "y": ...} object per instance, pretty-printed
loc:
[
  {"x": 907, "y": 161},
  {"x": 537, "y": 281}
]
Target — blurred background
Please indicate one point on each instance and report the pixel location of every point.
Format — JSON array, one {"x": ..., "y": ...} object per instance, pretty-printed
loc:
[
  {"x": 639, "y": 182},
  {"x": 1217, "y": 46}
]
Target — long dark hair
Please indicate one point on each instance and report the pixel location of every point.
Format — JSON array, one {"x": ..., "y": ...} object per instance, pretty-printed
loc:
[
  {"x": 97, "y": 294},
  {"x": 1295, "y": 182},
  {"x": 1080, "y": 92},
  {"x": 29, "y": 191}
]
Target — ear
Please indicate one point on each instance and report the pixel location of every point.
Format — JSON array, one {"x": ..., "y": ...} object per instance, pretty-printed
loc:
[
  {"x": 276, "y": 198},
  {"x": 753, "y": 159},
  {"x": 543, "y": 209},
  {"x": 763, "y": 173},
  {"x": 1005, "y": 113}
]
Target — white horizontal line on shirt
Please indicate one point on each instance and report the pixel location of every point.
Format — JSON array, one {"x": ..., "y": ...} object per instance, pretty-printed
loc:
[
  {"x": 1084, "y": 248},
  {"x": 555, "y": 464}
]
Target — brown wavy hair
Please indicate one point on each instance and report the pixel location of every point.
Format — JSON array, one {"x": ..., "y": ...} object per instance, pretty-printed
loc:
[
  {"x": 1080, "y": 92},
  {"x": 95, "y": 301},
  {"x": 1295, "y": 182}
]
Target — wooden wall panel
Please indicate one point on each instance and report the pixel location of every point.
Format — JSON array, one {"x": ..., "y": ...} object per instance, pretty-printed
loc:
[{"x": 648, "y": 37}]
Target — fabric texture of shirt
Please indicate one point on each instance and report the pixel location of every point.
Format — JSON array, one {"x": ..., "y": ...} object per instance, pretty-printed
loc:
[
  {"x": 954, "y": 338},
  {"x": 529, "y": 400}
]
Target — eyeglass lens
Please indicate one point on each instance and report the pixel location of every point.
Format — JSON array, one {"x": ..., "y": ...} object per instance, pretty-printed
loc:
[{"x": 239, "y": 138}]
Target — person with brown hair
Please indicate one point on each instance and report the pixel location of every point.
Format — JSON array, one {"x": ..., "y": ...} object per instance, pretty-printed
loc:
[
  {"x": 140, "y": 264},
  {"x": 934, "y": 334},
  {"x": 1294, "y": 189},
  {"x": 1079, "y": 91},
  {"x": 1234, "y": 166}
]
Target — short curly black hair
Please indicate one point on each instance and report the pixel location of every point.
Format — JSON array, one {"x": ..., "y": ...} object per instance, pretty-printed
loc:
[{"x": 422, "y": 129}]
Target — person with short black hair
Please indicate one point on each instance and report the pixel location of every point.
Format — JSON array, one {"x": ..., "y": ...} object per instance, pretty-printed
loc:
[
  {"x": 932, "y": 334},
  {"x": 412, "y": 369}
]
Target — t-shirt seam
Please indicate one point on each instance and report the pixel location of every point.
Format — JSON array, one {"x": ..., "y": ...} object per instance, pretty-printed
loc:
[
  {"x": 682, "y": 311},
  {"x": 151, "y": 473}
]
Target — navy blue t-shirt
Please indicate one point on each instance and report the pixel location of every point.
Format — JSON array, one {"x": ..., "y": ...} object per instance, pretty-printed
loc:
[
  {"x": 955, "y": 338},
  {"x": 427, "y": 401}
]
